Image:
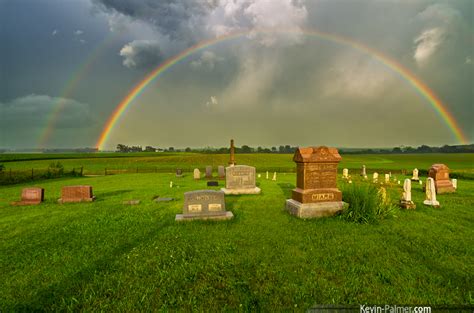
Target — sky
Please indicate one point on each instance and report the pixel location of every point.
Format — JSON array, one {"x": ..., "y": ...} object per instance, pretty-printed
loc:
[{"x": 65, "y": 66}]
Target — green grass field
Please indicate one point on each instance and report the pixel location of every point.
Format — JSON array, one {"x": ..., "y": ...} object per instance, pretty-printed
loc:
[{"x": 107, "y": 256}]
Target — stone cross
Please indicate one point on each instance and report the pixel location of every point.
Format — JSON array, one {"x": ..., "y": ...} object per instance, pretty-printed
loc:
[
  {"x": 232, "y": 153},
  {"x": 345, "y": 173},
  {"x": 197, "y": 174},
  {"x": 431, "y": 193},
  {"x": 415, "y": 175}
]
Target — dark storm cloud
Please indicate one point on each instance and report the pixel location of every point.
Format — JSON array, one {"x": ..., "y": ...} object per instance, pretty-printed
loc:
[
  {"x": 141, "y": 54},
  {"x": 33, "y": 111}
]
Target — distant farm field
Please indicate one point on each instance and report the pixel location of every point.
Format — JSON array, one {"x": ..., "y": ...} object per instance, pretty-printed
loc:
[
  {"x": 108, "y": 256},
  {"x": 168, "y": 162}
]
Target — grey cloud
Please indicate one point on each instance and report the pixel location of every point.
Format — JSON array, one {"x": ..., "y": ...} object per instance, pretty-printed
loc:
[
  {"x": 141, "y": 54},
  {"x": 33, "y": 111}
]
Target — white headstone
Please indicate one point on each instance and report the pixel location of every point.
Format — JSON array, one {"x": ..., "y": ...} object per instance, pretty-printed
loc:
[
  {"x": 171, "y": 184},
  {"x": 197, "y": 173},
  {"x": 454, "y": 181},
  {"x": 345, "y": 173},
  {"x": 407, "y": 190},
  {"x": 274, "y": 176},
  {"x": 375, "y": 177},
  {"x": 259, "y": 175},
  {"x": 421, "y": 182},
  {"x": 363, "y": 173},
  {"x": 430, "y": 193},
  {"x": 415, "y": 175},
  {"x": 387, "y": 178},
  {"x": 399, "y": 182},
  {"x": 267, "y": 175}
]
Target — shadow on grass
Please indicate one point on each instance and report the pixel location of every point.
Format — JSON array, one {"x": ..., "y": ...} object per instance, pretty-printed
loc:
[
  {"x": 286, "y": 189},
  {"x": 102, "y": 195},
  {"x": 72, "y": 285}
]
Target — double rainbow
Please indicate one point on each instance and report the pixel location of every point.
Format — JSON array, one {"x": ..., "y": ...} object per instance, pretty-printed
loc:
[{"x": 396, "y": 67}]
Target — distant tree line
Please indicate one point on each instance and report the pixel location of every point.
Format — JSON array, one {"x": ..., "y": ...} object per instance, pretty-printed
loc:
[{"x": 289, "y": 149}]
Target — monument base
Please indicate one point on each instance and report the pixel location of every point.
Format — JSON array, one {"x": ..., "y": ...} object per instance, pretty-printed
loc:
[
  {"x": 241, "y": 191},
  {"x": 25, "y": 202},
  {"x": 76, "y": 200},
  {"x": 445, "y": 189},
  {"x": 431, "y": 203},
  {"x": 314, "y": 210},
  {"x": 226, "y": 215},
  {"x": 407, "y": 204},
  {"x": 415, "y": 179}
]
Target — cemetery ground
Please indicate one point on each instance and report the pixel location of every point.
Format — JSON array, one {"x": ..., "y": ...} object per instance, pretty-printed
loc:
[{"x": 110, "y": 256}]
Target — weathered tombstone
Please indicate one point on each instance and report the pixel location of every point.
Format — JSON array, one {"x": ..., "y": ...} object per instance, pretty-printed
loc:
[
  {"x": 406, "y": 201},
  {"x": 221, "y": 172},
  {"x": 76, "y": 194},
  {"x": 171, "y": 184},
  {"x": 440, "y": 175},
  {"x": 204, "y": 204},
  {"x": 421, "y": 182},
  {"x": 212, "y": 183},
  {"x": 131, "y": 202},
  {"x": 31, "y": 196},
  {"x": 431, "y": 193},
  {"x": 345, "y": 173},
  {"x": 399, "y": 182},
  {"x": 179, "y": 172},
  {"x": 208, "y": 172},
  {"x": 363, "y": 171},
  {"x": 375, "y": 177},
  {"x": 197, "y": 174},
  {"x": 387, "y": 178},
  {"x": 232, "y": 153},
  {"x": 163, "y": 199},
  {"x": 316, "y": 193},
  {"x": 274, "y": 178},
  {"x": 266, "y": 175},
  {"x": 415, "y": 175},
  {"x": 240, "y": 180},
  {"x": 454, "y": 181}
]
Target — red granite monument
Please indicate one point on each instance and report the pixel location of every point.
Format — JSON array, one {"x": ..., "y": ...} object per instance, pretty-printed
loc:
[
  {"x": 76, "y": 194},
  {"x": 31, "y": 196},
  {"x": 316, "y": 193},
  {"x": 440, "y": 175}
]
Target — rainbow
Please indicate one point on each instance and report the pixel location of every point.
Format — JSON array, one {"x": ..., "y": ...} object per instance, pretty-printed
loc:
[
  {"x": 69, "y": 87},
  {"x": 396, "y": 67}
]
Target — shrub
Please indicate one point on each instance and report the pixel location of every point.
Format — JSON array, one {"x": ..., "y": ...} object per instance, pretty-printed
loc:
[
  {"x": 2, "y": 167},
  {"x": 55, "y": 169},
  {"x": 367, "y": 203}
]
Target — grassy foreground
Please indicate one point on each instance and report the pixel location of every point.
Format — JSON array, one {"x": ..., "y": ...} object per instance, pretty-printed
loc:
[{"x": 113, "y": 257}]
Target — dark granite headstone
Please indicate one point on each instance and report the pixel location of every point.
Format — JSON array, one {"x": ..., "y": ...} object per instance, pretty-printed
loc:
[
  {"x": 208, "y": 172},
  {"x": 179, "y": 172},
  {"x": 204, "y": 204},
  {"x": 212, "y": 183}
]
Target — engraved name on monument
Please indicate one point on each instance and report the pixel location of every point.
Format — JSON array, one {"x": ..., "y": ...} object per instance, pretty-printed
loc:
[
  {"x": 240, "y": 179},
  {"x": 204, "y": 204}
]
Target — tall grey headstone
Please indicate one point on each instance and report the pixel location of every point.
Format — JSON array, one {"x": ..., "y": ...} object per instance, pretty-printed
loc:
[
  {"x": 240, "y": 179},
  {"x": 221, "y": 172},
  {"x": 209, "y": 172}
]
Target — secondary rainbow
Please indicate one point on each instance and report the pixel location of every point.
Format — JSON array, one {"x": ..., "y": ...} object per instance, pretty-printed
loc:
[
  {"x": 396, "y": 67},
  {"x": 70, "y": 87}
]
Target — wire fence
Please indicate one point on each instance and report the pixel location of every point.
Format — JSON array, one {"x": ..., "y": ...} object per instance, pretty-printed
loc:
[{"x": 10, "y": 176}]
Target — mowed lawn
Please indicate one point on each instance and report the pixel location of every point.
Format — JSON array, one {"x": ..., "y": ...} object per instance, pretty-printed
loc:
[{"x": 107, "y": 256}]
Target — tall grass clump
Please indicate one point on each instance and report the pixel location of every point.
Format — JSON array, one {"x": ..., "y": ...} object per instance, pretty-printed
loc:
[{"x": 367, "y": 203}]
